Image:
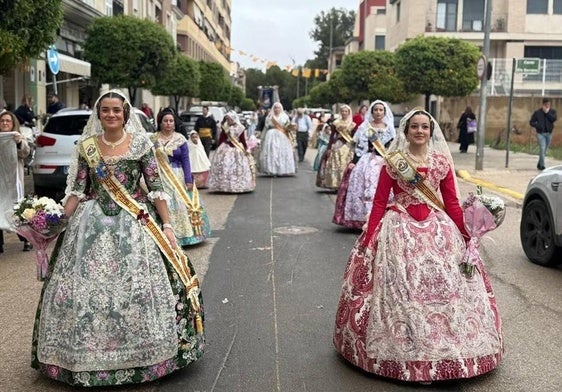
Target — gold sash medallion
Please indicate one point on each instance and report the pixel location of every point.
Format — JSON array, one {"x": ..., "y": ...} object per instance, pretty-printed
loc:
[
  {"x": 287, "y": 131},
  {"x": 120, "y": 195}
]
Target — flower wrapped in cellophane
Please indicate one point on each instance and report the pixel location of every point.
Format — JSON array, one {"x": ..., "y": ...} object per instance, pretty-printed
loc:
[
  {"x": 482, "y": 214},
  {"x": 40, "y": 220}
]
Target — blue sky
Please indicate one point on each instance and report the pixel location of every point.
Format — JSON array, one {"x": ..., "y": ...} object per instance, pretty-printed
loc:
[{"x": 277, "y": 30}]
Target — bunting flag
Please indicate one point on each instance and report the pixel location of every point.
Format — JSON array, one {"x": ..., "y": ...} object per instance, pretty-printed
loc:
[{"x": 305, "y": 72}]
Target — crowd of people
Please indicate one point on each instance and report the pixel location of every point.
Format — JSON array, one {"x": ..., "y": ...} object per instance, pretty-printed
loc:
[{"x": 406, "y": 310}]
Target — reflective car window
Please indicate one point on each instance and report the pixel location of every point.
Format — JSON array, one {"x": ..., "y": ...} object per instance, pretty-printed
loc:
[{"x": 66, "y": 125}]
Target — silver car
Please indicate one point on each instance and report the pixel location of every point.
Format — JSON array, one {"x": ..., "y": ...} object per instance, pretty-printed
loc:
[{"x": 541, "y": 220}]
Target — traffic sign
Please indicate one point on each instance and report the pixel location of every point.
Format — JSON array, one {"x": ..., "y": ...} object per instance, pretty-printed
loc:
[
  {"x": 481, "y": 67},
  {"x": 528, "y": 65},
  {"x": 53, "y": 60}
]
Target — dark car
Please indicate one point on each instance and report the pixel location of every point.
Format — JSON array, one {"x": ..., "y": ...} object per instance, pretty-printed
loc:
[{"x": 541, "y": 219}]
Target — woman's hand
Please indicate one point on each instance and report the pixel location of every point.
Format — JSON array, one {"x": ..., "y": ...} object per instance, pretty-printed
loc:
[
  {"x": 189, "y": 186},
  {"x": 170, "y": 236},
  {"x": 17, "y": 137}
]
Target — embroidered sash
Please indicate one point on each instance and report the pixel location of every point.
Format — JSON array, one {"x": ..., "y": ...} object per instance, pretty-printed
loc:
[
  {"x": 285, "y": 131},
  {"x": 193, "y": 205},
  {"x": 343, "y": 130},
  {"x": 120, "y": 195},
  {"x": 408, "y": 173}
]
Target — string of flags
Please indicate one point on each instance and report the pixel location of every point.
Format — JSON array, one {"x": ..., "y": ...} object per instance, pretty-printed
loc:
[{"x": 305, "y": 72}]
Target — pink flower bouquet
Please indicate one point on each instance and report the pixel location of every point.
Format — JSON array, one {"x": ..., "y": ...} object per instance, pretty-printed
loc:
[
  {"x": 482, "y": 214},
  {"x": 40, "y": 221}
]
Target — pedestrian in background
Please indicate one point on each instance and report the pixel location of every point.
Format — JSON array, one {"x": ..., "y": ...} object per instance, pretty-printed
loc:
[
  {"x": 543, "y": 121},
  {"x": 359, "y": 117},
  {"x": 304, "y": 127},
  {"x": 406, "y": 310},
  {"x": 55, "y": 105},
  {"x": 24, "y": 112},
  {"x": 467, "y": 129},
  {"x": 10, "y": 123},
  {"x": 206, "y": 127}
]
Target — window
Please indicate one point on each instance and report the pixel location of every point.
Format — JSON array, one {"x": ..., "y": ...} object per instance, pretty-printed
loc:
[
  {"x": 473, "y": 15},
  {"x": 537, "y": 7},
  {"x": 397, "y": 12},
  {"x": 379, "y": 42},
  {"x": 557, "y": 7},
  {"x": 446, "y": 15}
]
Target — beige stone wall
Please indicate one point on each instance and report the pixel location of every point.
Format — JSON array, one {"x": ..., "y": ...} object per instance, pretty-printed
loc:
[{"x": 496, "y": 117}]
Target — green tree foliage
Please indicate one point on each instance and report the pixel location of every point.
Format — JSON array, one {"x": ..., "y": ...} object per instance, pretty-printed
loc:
[
  {"x": 234, "y": 96},
  {"x": 181, "y": 79},
  {"x": 215, "y": 83},
  {"x": 438, "y": 65},
  {"x": 371, "y": 75},
  {"x": 324, "y": 94},
  {"x": 275, "y": 76},
  {"x": 128, "y": 52},
  {"x": 248, "y": 104},
  {"x": 340, "y": 22},
  {"x": 254, "y": 78},
  {"x": 27, "y": 28}
]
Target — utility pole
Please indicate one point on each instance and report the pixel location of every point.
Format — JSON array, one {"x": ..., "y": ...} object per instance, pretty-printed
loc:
[
  {"x": 331, "y": 42},
  {"x": 483, "y": 91}
]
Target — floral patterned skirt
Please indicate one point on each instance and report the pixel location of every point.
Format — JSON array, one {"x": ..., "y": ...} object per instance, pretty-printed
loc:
[
  {"x": 112, "y": 310},
  {"x": 333, "y": 164},
  {"x": 339, "y": 217},
  {"x": 232, "y": 171},
  {"x": 407, "y": 312}
]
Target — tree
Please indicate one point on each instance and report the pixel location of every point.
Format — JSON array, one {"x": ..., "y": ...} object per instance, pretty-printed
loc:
[
  {"x": 340, "y": 23},
  {"x": 248, "y": 104},
  {"x": 215, "y": 83},
  {"x": 28, "y": 27},
  {"x": 323, "y": 94},
  {"x": 181, "y": 79},
  {"x": 438, "y": 65},
  {"x": 128, "y": 52},
  {"x": 372, "y": 75},
  {"x": 254, "y": 78}
]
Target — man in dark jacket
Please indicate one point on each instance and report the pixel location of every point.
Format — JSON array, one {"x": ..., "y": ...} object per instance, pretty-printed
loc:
[
  {"x": 55, "y": 104},
  {"x": 543, "y": 121},
  {"x": 206, "y": 127}
]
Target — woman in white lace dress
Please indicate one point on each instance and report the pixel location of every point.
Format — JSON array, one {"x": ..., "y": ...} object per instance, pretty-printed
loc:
[{"x": 277, "y": 156}]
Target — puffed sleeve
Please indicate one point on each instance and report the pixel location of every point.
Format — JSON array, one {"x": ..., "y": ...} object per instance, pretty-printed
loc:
[
  {"x": 379, "y": 204},
  {"x": 451, "y": 202}
]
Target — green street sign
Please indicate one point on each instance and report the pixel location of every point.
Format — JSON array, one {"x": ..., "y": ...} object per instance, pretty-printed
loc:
[{"x": 528, "y": 65}]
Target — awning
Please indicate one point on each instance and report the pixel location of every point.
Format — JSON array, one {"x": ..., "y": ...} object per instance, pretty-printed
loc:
[{"x": 74, "y": 66}]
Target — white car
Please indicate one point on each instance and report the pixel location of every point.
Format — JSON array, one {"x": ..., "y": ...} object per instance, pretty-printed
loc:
[
  {"x": 54, "y": 148},
  {"x": 541, "y": 219}
]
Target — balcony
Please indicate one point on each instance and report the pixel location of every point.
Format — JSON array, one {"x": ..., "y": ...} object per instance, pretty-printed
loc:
[{"x": 467, "y": 24}]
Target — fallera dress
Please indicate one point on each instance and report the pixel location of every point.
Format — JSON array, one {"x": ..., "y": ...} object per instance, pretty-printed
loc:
[
  {"x": 277, "y": 155},
  {"x": 177, "y": 151},
  {"x": 232, "y": 167},
  {"x": 112, "y": 310},
  {"x": 406, "y": 310},
  {"x": 337, "y": 156}
]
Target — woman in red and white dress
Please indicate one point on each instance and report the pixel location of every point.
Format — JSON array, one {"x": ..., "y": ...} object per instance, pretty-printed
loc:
[{"x": 406, "y": 310}]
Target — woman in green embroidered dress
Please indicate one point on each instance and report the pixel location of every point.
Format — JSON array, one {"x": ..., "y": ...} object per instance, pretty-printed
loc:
[{"x": 113, "y": 309}]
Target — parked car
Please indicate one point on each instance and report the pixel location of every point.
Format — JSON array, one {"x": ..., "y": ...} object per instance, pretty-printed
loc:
[
  {"x": 541, "y": 220},
  {"x": 55, "y": 145}
]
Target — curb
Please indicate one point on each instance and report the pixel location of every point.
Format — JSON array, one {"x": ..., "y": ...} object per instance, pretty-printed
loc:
[{"x": 517, "y": 196}]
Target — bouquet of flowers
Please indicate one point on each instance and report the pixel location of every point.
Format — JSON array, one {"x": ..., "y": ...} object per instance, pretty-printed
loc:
[
  {"x": 482, "y": 213},
  {"x": 39, "y": 220}
]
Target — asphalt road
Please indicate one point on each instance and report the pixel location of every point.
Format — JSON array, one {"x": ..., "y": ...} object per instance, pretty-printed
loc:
[{"x": 271, "y": 280}]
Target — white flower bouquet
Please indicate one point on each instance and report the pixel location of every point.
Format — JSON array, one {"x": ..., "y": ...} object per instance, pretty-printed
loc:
[
  {"x": 40, "y": 221},
  {"x": 482, "y": 214}
]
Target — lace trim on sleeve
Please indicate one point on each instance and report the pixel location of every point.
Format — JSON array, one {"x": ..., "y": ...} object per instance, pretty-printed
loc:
[{"x": 158, "y": 195}]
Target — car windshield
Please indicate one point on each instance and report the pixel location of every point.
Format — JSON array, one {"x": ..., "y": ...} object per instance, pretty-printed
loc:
[{"x": 66, "y": 125}]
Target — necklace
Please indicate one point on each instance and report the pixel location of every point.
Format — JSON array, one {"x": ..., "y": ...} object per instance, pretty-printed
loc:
[
  {"x": 113, "y": 144},
  {"x": 416, "y": 159},
  {"x": 165, "y": 137}
]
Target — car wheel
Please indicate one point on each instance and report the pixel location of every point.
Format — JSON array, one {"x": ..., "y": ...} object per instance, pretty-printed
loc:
[{"x": 537, "y": 234}]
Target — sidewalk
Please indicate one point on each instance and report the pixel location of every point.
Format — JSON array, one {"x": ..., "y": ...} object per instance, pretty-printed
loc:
[{"x": 510, "y": 182}]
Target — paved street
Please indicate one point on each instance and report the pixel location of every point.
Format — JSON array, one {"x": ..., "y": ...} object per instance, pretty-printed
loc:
[{"x": 271, "y": 279}]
